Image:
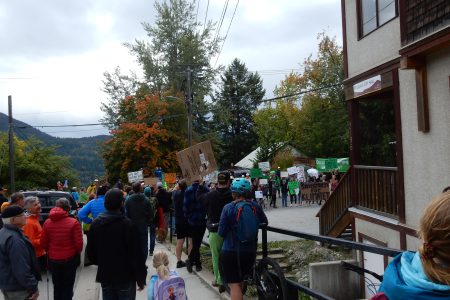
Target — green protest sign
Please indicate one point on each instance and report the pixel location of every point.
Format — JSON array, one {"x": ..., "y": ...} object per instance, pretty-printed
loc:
[
  {"x": 256, "y": 173},
  {"x": 329, "y": 164}
]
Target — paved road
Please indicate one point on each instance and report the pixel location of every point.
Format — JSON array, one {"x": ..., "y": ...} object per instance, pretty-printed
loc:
[{"x": 301, "y": 218}]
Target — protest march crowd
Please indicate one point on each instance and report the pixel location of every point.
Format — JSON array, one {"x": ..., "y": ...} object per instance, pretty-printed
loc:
[{"x": 123, "y": 223}]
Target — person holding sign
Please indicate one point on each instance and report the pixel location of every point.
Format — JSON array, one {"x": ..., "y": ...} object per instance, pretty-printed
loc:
[{"x": 293, "y": 189}]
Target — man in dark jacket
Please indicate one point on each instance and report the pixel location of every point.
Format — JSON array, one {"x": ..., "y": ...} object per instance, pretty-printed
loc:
[
  {"x": 19, "y": 271},
  {"x": 214, "y": 202},
  {"x": 164, "y": 200},
  {"x": 113, "y": 245},
  {"x": 195, "y": 213},
  {"x": 140, "y": 212},
  {"x": 181, "y": 223}
]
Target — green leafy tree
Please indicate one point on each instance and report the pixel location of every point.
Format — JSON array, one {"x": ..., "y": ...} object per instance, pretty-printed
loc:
[
  {"x": 238, "y": 96},
  {"x": 321, "y": 128},
  {"x": 175, "y": 42},
  {"x": 36, "y": 165},
  {"x": 149, "y": 135}
]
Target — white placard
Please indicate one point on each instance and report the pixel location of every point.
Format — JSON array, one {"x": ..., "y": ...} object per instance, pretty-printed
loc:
[
  {"x": 301, "y": 174},
  {"x": 135, "y": 176},
  {"x": 264, "y": 166},
  {"x": 263, "y": 181},
  {"x": 297, "y": 191},
  {"x": 259, "y": 195},
  {"x": 292, "y": 170},
  {"x": 284, "y": 174}
]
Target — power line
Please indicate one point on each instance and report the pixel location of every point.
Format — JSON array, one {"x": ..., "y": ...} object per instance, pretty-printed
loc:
[
  {"x": 226, "y": 35},
  {"x": 196, "y": 15},
  {"x": 222, "y": 16},
  {"x": 302, "y": 92},
  {"x": 206, "y": 16}
]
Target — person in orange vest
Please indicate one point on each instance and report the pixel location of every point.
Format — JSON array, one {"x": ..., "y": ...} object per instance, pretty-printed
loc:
[{"x": 33, "y": 229}]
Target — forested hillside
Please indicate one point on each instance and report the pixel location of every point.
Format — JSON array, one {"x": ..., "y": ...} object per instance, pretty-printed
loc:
[{"x": 83, "y": 153}]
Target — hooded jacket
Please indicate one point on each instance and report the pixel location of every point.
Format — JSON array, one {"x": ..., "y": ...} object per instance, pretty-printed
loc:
[
  {"x": 214, "y": 202},
  {"x": 18, "y": 264},
  {"x": 61, "y": 235},
  {"x": 94, "y": 207},
  {"x": 140, "y": 211},
  {"x": 33, "y": 231},
  {"x": 113, "y": 245},
  {"x": 193, "y": 208},
  {"x": 404, "y": 278}
]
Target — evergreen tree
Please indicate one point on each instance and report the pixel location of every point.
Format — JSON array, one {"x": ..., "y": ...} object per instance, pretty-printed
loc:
[
  {"x": 176, "y": 41},
  {"x": 239, "y": 94}
]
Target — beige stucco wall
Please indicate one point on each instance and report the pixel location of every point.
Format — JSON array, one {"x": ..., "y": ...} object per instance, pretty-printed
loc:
[
  {"x": 426, "y": 156},
  {"x": 374, "y": 49},
  {"x": 383, "y": 234}
]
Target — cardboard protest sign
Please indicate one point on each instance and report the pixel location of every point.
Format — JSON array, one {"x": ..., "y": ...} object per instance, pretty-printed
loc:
[
  {"x": 315, "y": 191},
  {"x": 292, "y": 170},
  {"x": 256, "y": 173},
  {"x": 170, "y": 178},
  {"x": 135, "y": 176},
  {"x": 151, "y": 181},
  {"x": 211, "y": 177},
  {"x": 197, "y": 161},
  {"x": 284, "y": 174},
  {"x": 264, "y": 166},
  {"x": 301, "y": 174},
  {"x": 263, "y": 181}
]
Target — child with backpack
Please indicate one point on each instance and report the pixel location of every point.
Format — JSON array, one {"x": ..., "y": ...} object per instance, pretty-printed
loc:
[
  {"x": 165, "y": 284},
  {"x": 238, "y": 226}
]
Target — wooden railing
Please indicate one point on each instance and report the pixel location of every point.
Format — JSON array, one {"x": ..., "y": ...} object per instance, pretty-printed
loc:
[
  {"x": 376, "y": 189},
  {"x": 370, "y": 188},
  {"x": 336, "y": 205}
]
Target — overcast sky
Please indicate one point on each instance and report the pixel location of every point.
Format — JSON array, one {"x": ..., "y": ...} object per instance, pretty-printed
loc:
[{"x": 53, "y": 53}]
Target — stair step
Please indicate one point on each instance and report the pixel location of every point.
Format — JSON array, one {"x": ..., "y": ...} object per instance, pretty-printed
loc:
[
  {"x": 274, "y": 256},
  {"x": 271, "y": 251}
]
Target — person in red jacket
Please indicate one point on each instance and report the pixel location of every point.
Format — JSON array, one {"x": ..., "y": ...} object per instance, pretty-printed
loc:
[{"x": 63, "y": 239}]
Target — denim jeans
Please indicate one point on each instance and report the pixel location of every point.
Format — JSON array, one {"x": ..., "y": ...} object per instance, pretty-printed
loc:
[
  {"x": 16, "y": 295},
  {"x": 152, "y": 229},
  {"x": 123, "y": 291},
  {"x": 284, "y": 199}
]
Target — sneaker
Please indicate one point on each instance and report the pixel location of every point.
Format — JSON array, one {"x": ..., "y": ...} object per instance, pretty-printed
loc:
[
  {"x": 150, "y": 253},
  {"x": 188, "y": 266},
  {"x": 198, "y": 268},
  {"x": 221, "y": 289},
  {"x": 181, "y": 264},
  {"x": 214, "y": 283}
]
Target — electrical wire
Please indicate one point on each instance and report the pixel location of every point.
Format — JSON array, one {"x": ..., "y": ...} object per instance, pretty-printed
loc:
[
  {"x": 226, "y": 35},
  {"x": 206, "y": 16},
  {"x": 222, "y": 16},
  {"x": 196, "y": 15}
]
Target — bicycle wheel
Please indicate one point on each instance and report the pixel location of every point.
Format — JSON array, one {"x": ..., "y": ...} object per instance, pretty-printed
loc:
[{"x": 270, "y": 281}]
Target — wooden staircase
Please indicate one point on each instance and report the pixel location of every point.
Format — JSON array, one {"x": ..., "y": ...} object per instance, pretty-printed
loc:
[
  {"x": 370, "y": 188},
  {"x": 334, "y": 218}
]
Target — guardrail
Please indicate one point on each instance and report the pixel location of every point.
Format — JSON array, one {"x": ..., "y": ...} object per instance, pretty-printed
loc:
[{"x": 293, "y": 287}]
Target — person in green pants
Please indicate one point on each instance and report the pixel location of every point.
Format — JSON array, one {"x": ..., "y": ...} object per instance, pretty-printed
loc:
[{"x": 214, "y": 201}]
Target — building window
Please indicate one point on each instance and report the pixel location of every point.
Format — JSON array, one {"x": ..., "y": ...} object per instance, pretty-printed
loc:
[{"x": 374, "y": 13}]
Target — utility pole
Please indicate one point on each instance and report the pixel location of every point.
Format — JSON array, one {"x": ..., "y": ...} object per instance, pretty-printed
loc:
[
  {"x": 189, "y": 104},
  {"x": 11, "y": 147}
]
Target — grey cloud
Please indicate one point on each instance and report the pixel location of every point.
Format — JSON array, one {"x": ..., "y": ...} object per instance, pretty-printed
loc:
[{"x": 41, "y": 29}]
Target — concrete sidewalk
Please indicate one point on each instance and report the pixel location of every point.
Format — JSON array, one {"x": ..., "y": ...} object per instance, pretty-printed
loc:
[{"x": 197, "y": 287}]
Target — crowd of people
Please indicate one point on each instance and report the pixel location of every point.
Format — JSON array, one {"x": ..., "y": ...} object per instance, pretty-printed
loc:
[{"x": 125, "y": 222}]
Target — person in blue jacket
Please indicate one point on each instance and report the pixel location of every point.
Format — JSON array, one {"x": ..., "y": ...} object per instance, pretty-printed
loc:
[
  {"x": 237, "y": 258},
  {"x": 424, "y": 274},
  {"x": 94, "y": 207}
]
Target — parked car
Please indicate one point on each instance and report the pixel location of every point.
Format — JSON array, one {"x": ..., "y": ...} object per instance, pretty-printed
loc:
[{"x": 48, "y": 201}]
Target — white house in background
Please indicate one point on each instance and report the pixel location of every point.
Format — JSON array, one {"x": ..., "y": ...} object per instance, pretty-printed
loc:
[
  {"x": 248, "y": 161},
  {"x": 397, "y": 86}
]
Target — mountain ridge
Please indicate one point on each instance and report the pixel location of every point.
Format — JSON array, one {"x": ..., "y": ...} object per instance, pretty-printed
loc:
[{"x": 83, "y": 153}]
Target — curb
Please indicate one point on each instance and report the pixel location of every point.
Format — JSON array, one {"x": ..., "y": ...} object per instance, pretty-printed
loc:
[{"x": 205, "y": 275}]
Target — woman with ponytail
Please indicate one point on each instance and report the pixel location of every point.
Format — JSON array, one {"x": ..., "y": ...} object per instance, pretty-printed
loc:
[{"x": 424, "y": 274}]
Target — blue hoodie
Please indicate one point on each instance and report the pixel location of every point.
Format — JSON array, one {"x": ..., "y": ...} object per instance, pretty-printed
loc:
[{"x": 404, "y": 278}]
